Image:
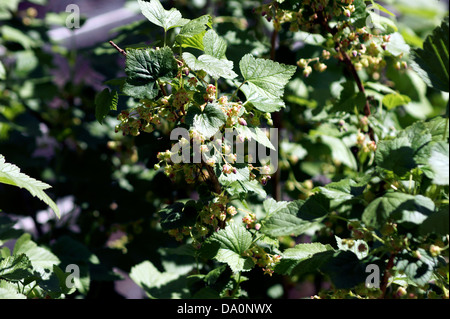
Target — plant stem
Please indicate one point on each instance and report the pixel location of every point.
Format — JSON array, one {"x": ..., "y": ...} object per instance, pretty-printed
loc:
[
  {"x": 237, "y": 90},
  {"x": 446, "y": 125},
  {"x": 121, "y": 51},
  {"x": 277, "y": 121},
  {"x": 238, "y": 282},
  {"x": 213, "y": 178},
  {"x": 386, "y": 275},
  {"x": 348, "y": 62},
  {"x": 217, "y": 90}
]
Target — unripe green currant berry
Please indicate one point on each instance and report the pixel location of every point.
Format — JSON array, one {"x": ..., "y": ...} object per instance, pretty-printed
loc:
[
  {"x": 435, "y": 250},
  {"x": 307, "y": 71},
  {"x": 302, "y": 63},
  {"x": 320, "y": 67},
  {"x": 326, "y": 54},
  {"x": 308, "y": 184},
  {"x": 401, "y": 292}
]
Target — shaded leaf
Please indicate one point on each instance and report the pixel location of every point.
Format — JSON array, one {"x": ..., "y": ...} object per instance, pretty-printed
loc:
[
  {"x": 432, "y": 62},
  {"x": 157, "y": 284},
  {"x": 10, "y": 174},
  {"x": 105, "y": 101},
  {"x": 420, "y": 270}
]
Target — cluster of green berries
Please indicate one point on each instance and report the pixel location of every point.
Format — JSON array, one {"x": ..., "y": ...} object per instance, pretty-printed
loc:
[
  {"x": 250, "y": 221},
  {"x": 263, "y": 259},
  {"x": 364, "y": 143},
  {"x": 310, "y": 14},
  {"x": 332, "y": 19},
  {"x": 148, "y": 115}
]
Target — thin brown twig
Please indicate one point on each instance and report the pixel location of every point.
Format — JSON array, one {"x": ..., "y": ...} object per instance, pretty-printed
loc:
[
  {"x": 278, "y": 123},
  {"x": 386, "y": 275},
  {"x": 348, "y": 62},
  {"x": 212, "y": 178},
  {"x": 121, "y": 51}
]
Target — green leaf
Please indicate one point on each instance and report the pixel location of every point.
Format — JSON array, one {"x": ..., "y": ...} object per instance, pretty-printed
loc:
[
  {"x": 397, "y": 45},
  {"x": 8, "y": 290},
  {"x": 216, "y": 68},
  {"x": 381, "y": 8},
  {"x": 7, "y": 232},
  {"x": 262, "y": 103},
  {"x": 294, "y": 151},
  {"x": 39, "y": 257},
  {"x": 242, "y": 174},
  {"x": 420, "y": 270},
  {"x": 432, "y": 62},
  {"x": 349, "y": 98},
  {"x": 15, "y": 268},
  {"x": 105, "y": 101},
  {"x": 15, "y": 35},
  {"x": 342, "y": 191},
  {"x": 437, "y": 128},
  {"x": 439, "y": 163},
  {"x": 208, "y": 122},
  {"x": 178, "y": 215},
  {"x": 437, "y": 222},
  {"x": 214, "y": 45},
  {"x": 383, "y": 24},
  {"x": 360, "y": 13},
  {"x": 266, "y": 77},
  {"x": 271, "y": 206},
  {"x": 348, "y": 105},
  {"x": 192, "y": 34},
  {"x": 404, "y": 208},
  {"x": 406, "y": 151},
  {"x": 144, "y": 68},
  {"x": 55, "y": 286},
  {"x": 2, "y": 71},
  {"x": 256, "y": 134},
  {"x": 304, "y": 258},
  {"x": 157, "y": 284},
  {"x": 340, "y": 152},
  {"x": 392, "y": 101},
  {"x": 10, "y": 174},
  {"x": 294, "y": 218},
  {"x": 345, "y": 269},
  {"x": 228, "y": 246},
  {"x": 242, "y": 188},
  {"x": 155, "y": 13}
]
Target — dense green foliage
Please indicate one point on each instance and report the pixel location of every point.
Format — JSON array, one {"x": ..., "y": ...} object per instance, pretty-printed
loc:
[{"x": 357, "y": 90}]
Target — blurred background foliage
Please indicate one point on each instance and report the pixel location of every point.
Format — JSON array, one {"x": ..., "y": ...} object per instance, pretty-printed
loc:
[{"x": 104, "y": 183}]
